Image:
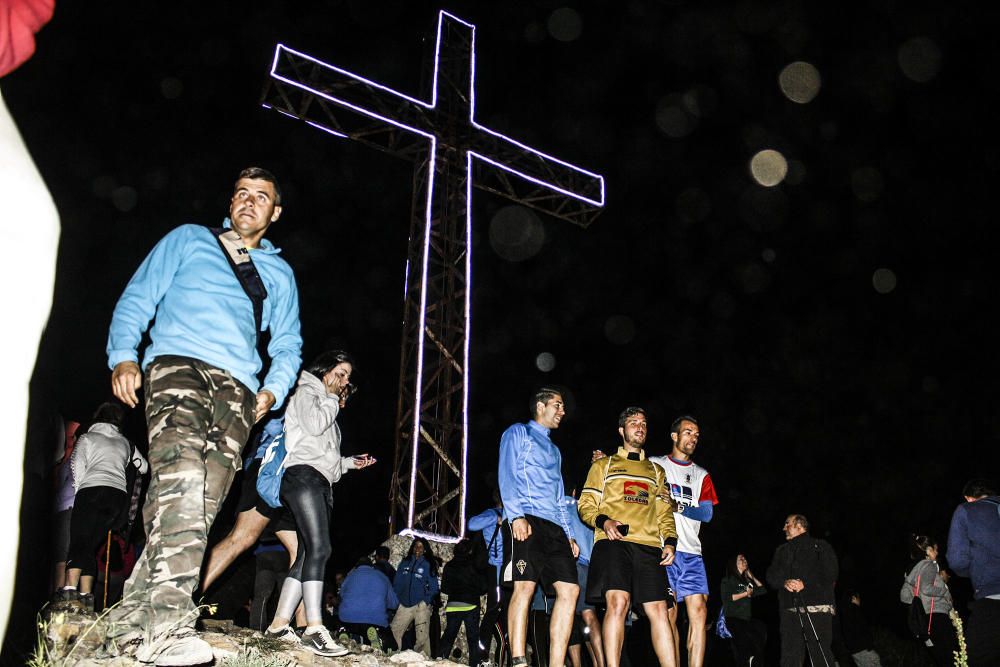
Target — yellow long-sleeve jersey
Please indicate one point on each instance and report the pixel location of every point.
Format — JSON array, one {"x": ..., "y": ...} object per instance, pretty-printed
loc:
[{"x": 626, "y": 487}]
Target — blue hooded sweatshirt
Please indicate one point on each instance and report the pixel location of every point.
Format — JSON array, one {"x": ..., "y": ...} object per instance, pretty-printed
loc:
[
  {"x": 203, "y": 313},
  {"x": 365, "y": 596}
]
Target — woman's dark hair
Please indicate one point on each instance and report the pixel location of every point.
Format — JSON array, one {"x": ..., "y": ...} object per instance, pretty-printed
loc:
[
  {"x": 733, "y": 571},
  {"x": 109, "y": 412},
  {"x": 327, "y": 361},
  {"x": 428, "y": 554},
  {"x": 919, "y": 544}
]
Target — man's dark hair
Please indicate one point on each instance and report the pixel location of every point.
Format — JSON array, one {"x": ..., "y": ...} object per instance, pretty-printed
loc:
[
  {"x": 382, "y": 552},
  {"x": 110, "y": 412},
  {"x": 919, "y": 544},
  {"x": 979, "y": 488},
  {"x": 675, "y": 427},
  {"x": 630, "y": 411},
  {"x": 542, "y": 395},
  {"x": 261, "y": 174},
  {"x": 327, "y": 361},
  {"x": 801, "y": 520},
  {"x": 463, "y": 548}
]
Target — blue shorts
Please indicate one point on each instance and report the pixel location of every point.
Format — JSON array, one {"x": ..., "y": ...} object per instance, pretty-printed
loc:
[{"x": 686, "y": 575}]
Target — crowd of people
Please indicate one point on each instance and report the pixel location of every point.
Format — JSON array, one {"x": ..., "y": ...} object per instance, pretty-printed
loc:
[{"x": 566, "y": 575}]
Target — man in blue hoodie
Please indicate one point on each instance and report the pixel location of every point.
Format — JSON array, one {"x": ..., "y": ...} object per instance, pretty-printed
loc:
[
  {"x": 974, "y": 552},
  {"x": 202, "y": 397},
  {"x": 541, "y": 548}
]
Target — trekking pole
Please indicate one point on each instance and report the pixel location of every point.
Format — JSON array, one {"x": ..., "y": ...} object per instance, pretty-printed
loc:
[
  {"x": 107, "y": 568},
  {"x": 803, "y": 609}
]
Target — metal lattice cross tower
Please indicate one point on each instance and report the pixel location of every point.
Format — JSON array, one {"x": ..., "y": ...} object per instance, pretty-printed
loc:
[{"x": 452, "y": 153}]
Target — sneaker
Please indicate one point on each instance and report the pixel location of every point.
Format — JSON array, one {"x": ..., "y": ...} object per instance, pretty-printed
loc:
[
  {"x": 87, "y": 601},
  {"x": 285, "y": 634},
  {"x": 321, "y": 643},
  {"x": 374, "y": 639},
  {"x": 176, "y": 651}
]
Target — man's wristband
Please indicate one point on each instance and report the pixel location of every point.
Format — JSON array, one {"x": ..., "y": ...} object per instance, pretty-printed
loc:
[{"x": 599, "y": 521}]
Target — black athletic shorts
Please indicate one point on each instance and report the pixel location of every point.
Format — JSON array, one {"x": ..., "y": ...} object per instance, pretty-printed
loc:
[
  {"x": 544, "y": 557},
  {"x": 626, "y": 566}
]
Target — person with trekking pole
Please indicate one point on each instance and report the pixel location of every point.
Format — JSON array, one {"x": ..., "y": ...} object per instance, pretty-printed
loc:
[{"x": 804, "y": 571}]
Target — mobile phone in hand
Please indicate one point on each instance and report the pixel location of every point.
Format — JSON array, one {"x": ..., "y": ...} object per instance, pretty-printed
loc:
[{"x": 622, "y": 529}]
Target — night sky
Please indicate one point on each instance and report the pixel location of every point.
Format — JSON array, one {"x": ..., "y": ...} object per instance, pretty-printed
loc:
[{"x": 831, "y": 333}]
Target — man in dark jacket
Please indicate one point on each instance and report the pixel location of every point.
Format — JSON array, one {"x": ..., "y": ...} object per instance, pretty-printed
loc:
[
  {"x": 974, "y": 552},
  {"x": 804, "y": 571}
]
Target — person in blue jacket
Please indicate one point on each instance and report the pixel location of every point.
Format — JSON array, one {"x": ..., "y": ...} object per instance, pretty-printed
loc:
[
  {"x": 202, "y": 397},
  {"x": 974, "y": 552},
  {"x": 365, "y": 598},
  {"x": 416, "y": 584},
  {"x": 541, "y": 547},
  {"x": 489, "y": 523}
]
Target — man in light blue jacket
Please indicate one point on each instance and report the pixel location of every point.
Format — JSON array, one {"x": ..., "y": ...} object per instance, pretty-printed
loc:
[{"x": 202, "y": 397}]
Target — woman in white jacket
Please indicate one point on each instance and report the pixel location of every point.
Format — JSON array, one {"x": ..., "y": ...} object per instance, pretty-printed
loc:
[
  {"x": 927, "y": 580},
  {"x": 99, "y": 461},
  {"x": 313, "y": 464}
]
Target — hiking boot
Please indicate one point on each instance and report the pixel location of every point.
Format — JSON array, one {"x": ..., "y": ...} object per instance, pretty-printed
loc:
[
  {"x": 182, "y": 650},
  {"x": 374, "y": 639},
  {"x": 285, "y": 634},
  {"x": 87, "y": 601},
  {"x": 321, "y": 643},
  {"x": 65, "y": 595}
]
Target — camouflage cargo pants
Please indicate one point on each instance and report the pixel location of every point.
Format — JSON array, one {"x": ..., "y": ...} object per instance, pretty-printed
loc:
[{"x": 199, "y": 418}]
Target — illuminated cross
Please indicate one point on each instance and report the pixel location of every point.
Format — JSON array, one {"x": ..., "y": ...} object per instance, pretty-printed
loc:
[{"x": 452, "y": 153}]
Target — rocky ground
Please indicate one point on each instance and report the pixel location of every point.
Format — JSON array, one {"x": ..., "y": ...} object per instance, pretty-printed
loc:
[
  {"x": 76, "y": 639},
  {"x": 71, "y": 637}
]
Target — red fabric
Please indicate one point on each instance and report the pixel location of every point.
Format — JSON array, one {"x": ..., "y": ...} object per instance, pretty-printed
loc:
[
  {"x": 708, "y": 491},
  {"x": 19, "y": 21}
]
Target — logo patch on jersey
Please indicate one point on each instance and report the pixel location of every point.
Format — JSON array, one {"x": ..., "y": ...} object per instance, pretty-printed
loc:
[
  {"x": 637, "y": 492},
  {"x": 521, "y": 565},
  {"x": 682, "y": 494}
]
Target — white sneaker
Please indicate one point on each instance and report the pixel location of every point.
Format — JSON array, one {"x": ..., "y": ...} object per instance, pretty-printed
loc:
[
  {"x": 321, "y": 643},
  {"x": 285, "y": 634},
  {"x": 182, "y": 651}
]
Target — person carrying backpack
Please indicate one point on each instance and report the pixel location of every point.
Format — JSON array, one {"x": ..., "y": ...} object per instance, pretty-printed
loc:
[
  {"x": 463, "y": 582},
  {"x": 99, "y": 462},
  {"x": 312, "y": 465}
]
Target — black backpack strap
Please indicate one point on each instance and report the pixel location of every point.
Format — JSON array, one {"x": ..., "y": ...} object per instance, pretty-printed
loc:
[
  {"x": 244, "y": 269},
  {"x": 493, "y": 539}
]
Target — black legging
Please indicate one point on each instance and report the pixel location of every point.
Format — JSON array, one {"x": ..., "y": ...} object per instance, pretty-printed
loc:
[
  {"x": 309, "y": 496},
  {"x": 270, "y": 572},
  {"x": 749, "y": 638},
  {"x": 96, "y": 510}
]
